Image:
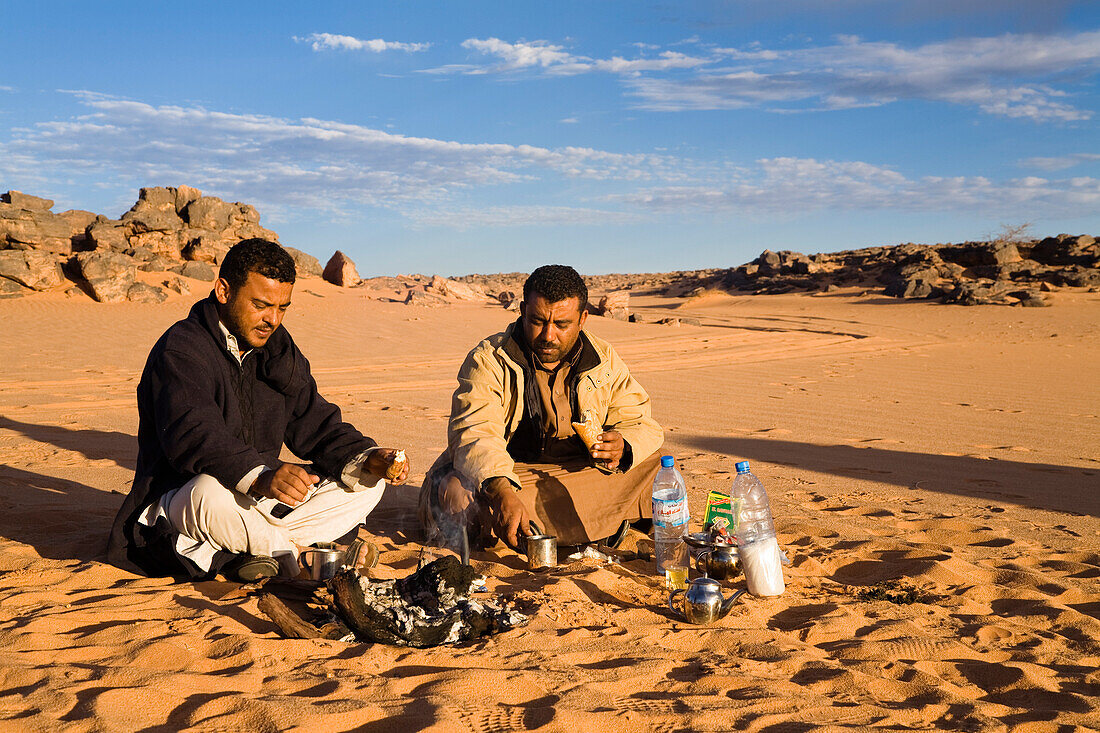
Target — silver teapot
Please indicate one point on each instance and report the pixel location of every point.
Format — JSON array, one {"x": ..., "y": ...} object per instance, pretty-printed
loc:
[
  {"x": 703, "y": 602},
  {"x": 719, "y": 561}
]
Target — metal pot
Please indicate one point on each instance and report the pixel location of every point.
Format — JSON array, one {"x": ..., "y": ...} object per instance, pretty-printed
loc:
[
  {"x": 720, "y": 561},
  {"x": 703, "y": 603}
]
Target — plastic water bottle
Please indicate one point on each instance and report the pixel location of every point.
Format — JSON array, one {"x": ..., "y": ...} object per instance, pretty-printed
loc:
[
  {"x": 756, "y": 542},
  {"x": 670, "y": 521}
]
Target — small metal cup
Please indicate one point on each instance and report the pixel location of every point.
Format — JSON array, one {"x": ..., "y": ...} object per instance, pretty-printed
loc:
[
  {"x": 541, "y": 549},
  {"x": 324, "y": 560}
]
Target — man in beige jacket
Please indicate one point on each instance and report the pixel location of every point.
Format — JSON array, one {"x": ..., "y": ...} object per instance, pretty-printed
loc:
[{"x": 513, "y": 455}]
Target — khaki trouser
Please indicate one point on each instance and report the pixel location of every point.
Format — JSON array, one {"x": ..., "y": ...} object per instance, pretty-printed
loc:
[{"x": 573, "y": 500}]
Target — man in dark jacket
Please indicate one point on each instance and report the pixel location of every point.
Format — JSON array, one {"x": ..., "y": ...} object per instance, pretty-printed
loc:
[{"x": 222, "y": 391}]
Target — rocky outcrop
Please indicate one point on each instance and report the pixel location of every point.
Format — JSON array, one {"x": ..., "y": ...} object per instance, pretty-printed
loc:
[
  {"x": 30, "y": 269},
  {"x": 107, "y": 275},
  {"x": 303, "y": 263},
  {"x": 26, "y": 222},
  {"x": 452, "y": 290},
  {"x": 341, "y": 271},
  {"x": 615, "y": 304},
  {"x": 972, "y": 273},
  {"x": 168, "y": 229}
]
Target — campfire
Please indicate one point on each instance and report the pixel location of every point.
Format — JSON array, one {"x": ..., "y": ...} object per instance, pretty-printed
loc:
[{"x": 431, "y": 607}]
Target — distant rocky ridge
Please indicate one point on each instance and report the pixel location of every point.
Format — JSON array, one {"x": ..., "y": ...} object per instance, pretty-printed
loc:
[
  {"x": 182, "y": 234},
  {"x": 972, "y": 273}
]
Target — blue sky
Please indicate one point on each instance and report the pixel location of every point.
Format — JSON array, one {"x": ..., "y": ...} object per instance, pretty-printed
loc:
[{"x": 458, "y": 137}]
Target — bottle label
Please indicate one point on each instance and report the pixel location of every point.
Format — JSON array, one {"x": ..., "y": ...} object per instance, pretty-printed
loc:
[{"x": 670, "y": 513}]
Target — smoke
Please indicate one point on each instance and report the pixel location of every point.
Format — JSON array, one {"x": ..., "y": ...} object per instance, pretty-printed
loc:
[{"x": 447, "y": 531}]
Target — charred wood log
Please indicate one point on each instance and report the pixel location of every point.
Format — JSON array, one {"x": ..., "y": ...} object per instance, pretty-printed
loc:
[
  {"x": 428, "y": 608},
  {"x": 292, "y": 625}
]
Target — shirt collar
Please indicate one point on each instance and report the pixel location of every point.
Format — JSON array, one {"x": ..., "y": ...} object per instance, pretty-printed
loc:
[{"x": 231, "y": 344}]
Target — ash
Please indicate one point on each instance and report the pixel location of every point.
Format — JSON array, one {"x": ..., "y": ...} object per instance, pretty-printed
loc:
[{"x": 429, "y": 608}]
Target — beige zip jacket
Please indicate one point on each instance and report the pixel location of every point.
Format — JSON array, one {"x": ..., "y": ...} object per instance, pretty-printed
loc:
[{"x": 487, "y": 407}]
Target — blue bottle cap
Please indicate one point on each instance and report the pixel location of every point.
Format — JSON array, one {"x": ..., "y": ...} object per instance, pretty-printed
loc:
[
  {"x": 667, "y": 461},
  {"x": 742, "y": 466}
]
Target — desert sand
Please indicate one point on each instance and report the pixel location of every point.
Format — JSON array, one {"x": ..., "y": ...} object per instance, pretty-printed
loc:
[{"x": 951, "y": 449}]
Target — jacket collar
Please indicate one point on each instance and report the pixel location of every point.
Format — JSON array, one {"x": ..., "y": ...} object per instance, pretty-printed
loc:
[
  {"x": 515, "y": 346},
  {"x": 276, "y": 363}
]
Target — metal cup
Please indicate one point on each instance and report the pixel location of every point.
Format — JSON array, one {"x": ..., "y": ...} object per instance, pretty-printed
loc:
[
  {"x": 324, "y": 560},
  {"x": 541, "y": 549}
]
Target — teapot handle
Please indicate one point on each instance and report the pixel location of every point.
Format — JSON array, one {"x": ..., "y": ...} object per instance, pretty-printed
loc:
[
  {"x": 701, "y": 561},
  {"x": 670, "y": 597}
]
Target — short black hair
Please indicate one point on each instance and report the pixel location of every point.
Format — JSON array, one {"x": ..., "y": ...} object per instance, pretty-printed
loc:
[
  {"x": 256, "y": 255},
  {"x": 556, "y": 283}
]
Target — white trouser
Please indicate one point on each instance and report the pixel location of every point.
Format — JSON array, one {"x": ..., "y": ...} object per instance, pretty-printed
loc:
[{"x": 210, "y": 517}]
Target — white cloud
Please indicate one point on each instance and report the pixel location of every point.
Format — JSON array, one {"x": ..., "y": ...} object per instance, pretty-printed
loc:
[
  {"x": 309, "y": 163},
  {"x": 325, "y": 167},
  {"x": 520, "y": 55},
  {"x": 1009, "y": 75},
  {"x": 1014, "y": 75},
  {"x": 1060, "y": 162},
  {"x": 665, "y": 61},
  {"x": 521, "y": 216},
  {"x": 555, "y": 59},
  {"x": 778, "y": 186},
  {"x": 332, "y": 41}
]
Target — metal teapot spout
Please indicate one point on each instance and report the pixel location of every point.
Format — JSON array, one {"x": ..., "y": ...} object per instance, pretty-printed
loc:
[{"x": 728, "y": 603}]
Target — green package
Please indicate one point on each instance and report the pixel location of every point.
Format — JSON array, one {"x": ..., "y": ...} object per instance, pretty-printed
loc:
[{"x": 722, "y": 512}]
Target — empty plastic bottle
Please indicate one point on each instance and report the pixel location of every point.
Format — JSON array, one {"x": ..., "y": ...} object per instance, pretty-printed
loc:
[
  {"x": 756, "y": 542},
  {"x": 670, "y": 518}
]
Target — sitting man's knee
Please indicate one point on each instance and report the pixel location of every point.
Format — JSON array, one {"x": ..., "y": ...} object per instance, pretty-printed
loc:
[{"x": 206, "y": 497}]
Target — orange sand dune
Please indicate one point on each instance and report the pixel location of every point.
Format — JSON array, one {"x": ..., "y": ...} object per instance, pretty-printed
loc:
[{"x": 951, "y": 448}]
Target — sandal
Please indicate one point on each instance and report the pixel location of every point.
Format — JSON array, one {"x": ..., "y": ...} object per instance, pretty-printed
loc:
[
  {"x": 617, "y": 536},
  {"x": 250, "y": 568},
  {"x": 361, "y": 554}
]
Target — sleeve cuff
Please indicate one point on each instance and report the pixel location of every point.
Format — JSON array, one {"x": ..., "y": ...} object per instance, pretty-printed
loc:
[
  {"x": 627, "y": 461},
  {"x": 355, "y": 476},
  {"x": 481, "y": 488},
  {"x": 249, "y": 478}
]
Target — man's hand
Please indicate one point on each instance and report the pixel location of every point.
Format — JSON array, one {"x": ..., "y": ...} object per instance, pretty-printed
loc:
[
  {"x": 510, "y": 517},
  {"x": 288, "y": 483},
  {"x": 379, "y": 463},
  {"x": 610, "y": 448}
]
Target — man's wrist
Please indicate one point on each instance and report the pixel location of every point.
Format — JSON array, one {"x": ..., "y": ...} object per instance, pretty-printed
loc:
[
  {"x": 627, "y": 458},
  {"x": 495, "y": 486},
  {"x": 247, "y": 484}
]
